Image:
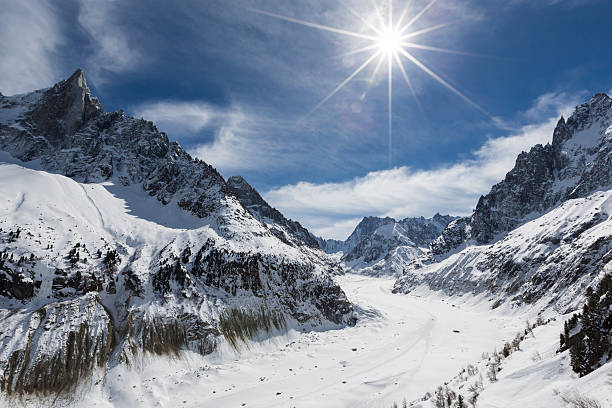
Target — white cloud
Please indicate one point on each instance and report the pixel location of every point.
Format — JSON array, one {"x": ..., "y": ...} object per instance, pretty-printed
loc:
[
  {"x": 246, "y": 141},
  {"x": 29, "y": 36},
  {"x": 113, "y": 52},
  {"x": 179, "y": 116},
  {"x": 332, "y": 228},
  {"x": 327, "y": 209},
  {"x": 243, "y": 140},
  {"x": 552, "y": 103}
]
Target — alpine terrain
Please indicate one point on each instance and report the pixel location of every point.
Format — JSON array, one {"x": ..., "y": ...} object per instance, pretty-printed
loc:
[
  {"x": 114, "y": 241},
  {"x": 382, "y": 246},
  {"x": 544, "y": 233},
  {"x": 133, "y": 274}
]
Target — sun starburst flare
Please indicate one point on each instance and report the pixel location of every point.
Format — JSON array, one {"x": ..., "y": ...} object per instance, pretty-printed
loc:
[{"x": 391, "y": 39}]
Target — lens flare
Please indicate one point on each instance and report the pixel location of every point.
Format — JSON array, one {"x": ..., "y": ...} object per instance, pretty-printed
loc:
[{"x": 391, "y": 39}]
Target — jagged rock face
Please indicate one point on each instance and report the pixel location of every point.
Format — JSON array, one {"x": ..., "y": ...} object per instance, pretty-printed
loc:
[
  {"x": 452, "y": 237},
  {"x": 533, "y": 242},
  {"x": 381, "y": 246},
  {"x": 549, "y": 261},
  {"x": 69, "y": 132},
  {"x": 64, "y": 109},
  {"x": 52, "y": 348},
  {"x": 140, "y": 243},
  {"x": 577, "y": 162},
  {"x": 288, "y": 231}
]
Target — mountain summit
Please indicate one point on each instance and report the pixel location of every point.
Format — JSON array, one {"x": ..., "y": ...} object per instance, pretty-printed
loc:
[
  {"x": 114, "y": 242},
  {"x": 542, "y": 231},
  {"x": 382, "y": 246}
]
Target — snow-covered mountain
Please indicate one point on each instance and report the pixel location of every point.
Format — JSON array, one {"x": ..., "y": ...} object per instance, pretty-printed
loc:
[
  {"x": 289, "y": 231},
  {"x": 115, "y": 241},
  {"x": 382, "y": 246},
  {"x": 544, "y": 232}
]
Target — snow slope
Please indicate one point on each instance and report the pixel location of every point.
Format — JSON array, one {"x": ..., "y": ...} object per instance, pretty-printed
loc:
[
  {"x": 549, "y": 261},
  {"x": 527, "y": 381},
  {"x": 57, "y": 211},
  {"x": 533, "y": 376},
  {"x": 401, "y": 346}
]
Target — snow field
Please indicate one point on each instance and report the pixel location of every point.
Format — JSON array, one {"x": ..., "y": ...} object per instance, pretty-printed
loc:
[{"x": 401, "y": 347}]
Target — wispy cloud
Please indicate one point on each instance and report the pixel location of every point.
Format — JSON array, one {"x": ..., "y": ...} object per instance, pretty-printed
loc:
[
  {"x": 112, "y": 50},
  {"x": 330, "y": 208},
  {"x": 242, "y": 139},
  {"x": 179, "y": 116},
  {"x": 247, "y": 141},
  {"x": 30, "y": 36}
]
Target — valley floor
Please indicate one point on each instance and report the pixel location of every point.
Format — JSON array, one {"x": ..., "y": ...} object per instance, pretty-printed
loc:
[{"x": 402, "y": 346}]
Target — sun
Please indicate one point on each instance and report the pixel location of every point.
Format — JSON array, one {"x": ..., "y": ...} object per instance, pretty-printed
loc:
[{"x": 390, "y": 40}]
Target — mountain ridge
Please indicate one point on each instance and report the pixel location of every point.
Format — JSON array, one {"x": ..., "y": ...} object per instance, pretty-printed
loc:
[
  {"x": 288, "y": 231},
  {"x": 379, "y": 246},
  {"x": 536, "y": 235},
  {"x": 111, "y": 231},
  {"x": 529, "y": 188}
]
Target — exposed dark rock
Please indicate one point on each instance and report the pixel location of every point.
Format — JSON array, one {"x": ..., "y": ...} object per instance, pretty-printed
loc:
[
  {"x": 156, "y": 292},
  {"x": 288, "y": 231}
]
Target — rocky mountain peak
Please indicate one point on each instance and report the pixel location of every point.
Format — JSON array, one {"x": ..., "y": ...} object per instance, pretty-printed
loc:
[
  {"x": 248, "y": 196},
  {"x": 238, "y": 182},
  {"x": 64, "y": 108},
  {"x": 244, "y": 191},
  {"x": 574, "y": 165},
  {"x": 561, "y": 133},
  {"x": 370, "y": 224},
  {"x": 381, "y": 246},
  {"x": 585, "y": 115}
]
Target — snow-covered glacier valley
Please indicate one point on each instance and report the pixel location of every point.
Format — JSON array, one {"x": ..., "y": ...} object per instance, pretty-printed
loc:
[
  {"x": 401, "y": 347},
  {"x": 135, "y": 275}
]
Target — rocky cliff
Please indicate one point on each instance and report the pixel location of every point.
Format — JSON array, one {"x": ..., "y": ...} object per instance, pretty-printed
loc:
[
  {"x": 115, "y": 242},
  {"x": 544, "y": 233}
]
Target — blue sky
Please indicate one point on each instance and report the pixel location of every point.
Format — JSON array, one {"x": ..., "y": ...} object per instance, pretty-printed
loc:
[{"x": 233, "y": 87}]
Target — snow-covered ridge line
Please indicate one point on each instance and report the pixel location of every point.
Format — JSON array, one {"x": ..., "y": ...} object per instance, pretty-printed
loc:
[
  {"x": 543, "y": 234},
  {"x": 111, "y": 231},
  {"x": 382, "y": 246}
]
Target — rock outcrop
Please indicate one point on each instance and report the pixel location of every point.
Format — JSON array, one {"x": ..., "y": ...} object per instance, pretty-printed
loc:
[
  {"x": 544, "y": 233},
  {"x": 114, "y": 241}
]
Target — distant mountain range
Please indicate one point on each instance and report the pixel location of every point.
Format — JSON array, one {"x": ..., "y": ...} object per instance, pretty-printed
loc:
[{"x": 383, "y": 246}]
